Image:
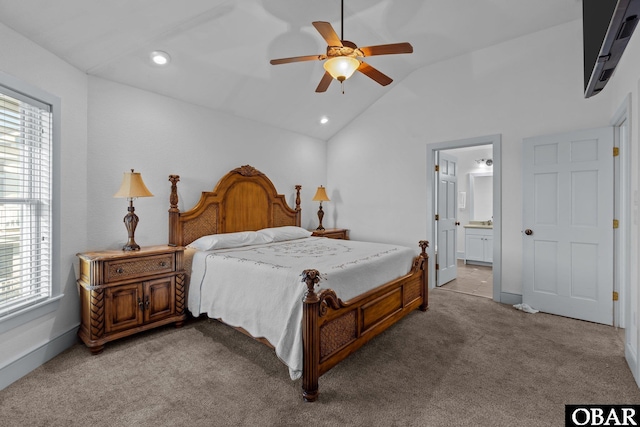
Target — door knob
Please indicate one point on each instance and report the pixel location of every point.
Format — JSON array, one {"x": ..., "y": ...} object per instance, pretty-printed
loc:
[
  {"x": 528, "y": 232},
  {"x": 457, "y": 222}
]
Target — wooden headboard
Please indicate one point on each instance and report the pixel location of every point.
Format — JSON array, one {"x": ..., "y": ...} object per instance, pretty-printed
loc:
[{"x": 243, "y": 200}]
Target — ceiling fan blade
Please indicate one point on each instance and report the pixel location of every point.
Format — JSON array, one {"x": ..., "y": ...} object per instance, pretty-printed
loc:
[
  {"x": 387, "y": 49},
  {"x": 298, "y": 59},
  {"x": 328, "y": 33},
  {"x": 324, "y": 82},
  {"x": 373, "y": 73}
]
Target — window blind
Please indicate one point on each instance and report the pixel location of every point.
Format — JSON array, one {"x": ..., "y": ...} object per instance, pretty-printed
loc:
[{"x": 25, "y": 201}]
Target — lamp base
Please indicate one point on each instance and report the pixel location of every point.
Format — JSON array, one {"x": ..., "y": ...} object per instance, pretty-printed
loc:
[
  {"x": 320, "y": 216},
  {"x": 131, "y": 247},
  {"x": 131, "y": 221}
]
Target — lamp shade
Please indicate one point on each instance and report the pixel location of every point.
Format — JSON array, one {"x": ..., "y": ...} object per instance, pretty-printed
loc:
[
  {"x": 321, "y": 195},
  {"x": 341, "y": 67},
  {"x": 132, "y": 186}
]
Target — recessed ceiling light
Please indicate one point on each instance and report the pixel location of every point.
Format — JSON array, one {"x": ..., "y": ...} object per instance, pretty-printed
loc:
[
  {"x": 324, "y": 120},
  {"x": 159, "y": 57}
]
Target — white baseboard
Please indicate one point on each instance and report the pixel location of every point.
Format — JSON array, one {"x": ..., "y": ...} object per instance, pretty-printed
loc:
[
  {"x": 632, "y": 360},
  {"x": 37, "y": 357}
]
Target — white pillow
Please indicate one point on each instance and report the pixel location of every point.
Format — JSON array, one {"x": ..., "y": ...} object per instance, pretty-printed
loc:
[
  {"x": 228, "y": 240},
  {"x": 288, "y": 232}
]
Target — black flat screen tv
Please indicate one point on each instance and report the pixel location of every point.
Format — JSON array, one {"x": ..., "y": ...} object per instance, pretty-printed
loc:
[{"x": 607, "y": 27}]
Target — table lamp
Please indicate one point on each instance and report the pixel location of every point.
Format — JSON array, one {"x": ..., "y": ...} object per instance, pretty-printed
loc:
[
  {"x": 132, "y": 187},
  {"x": 321, "y": 196}
]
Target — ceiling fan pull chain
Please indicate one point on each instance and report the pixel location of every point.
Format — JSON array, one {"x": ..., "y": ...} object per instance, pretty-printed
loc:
[{"x": 342, "y": 86}]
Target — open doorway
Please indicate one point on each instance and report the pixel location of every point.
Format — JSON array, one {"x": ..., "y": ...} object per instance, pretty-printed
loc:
[
  {"x": 473, "y": 222},
  {"x": 477, "y": 216}
]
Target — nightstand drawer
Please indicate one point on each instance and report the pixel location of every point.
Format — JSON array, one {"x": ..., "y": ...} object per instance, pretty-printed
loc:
[{"x": 138, "y": 267}]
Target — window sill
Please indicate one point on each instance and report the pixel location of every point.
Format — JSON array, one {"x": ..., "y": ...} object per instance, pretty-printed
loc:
[{"x": 30, "y": 313}]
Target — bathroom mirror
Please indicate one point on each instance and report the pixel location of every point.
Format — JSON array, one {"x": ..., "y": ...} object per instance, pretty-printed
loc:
[{"x": 480, "y": 196}]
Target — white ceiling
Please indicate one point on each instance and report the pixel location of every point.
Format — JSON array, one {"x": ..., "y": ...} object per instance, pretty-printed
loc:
[{"x": 220, "y": 49}]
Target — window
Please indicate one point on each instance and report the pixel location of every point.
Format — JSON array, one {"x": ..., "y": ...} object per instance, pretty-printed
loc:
[{"x": 25, "y": 201}]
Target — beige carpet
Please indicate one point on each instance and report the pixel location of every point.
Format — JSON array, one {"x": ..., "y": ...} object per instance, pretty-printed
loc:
[{"x": 466, "y": 362}]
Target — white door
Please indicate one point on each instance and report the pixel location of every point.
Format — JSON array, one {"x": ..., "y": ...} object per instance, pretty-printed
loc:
[
  {"x": 568, "y": 224},
  {"x": 446, "y": 223}
]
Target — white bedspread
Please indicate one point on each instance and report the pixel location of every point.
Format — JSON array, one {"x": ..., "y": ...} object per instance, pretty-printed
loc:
[{"x": 259, "y": 287}]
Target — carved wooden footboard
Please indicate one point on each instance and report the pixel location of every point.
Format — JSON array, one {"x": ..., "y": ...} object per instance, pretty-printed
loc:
[{"x": 332, "y": 330}]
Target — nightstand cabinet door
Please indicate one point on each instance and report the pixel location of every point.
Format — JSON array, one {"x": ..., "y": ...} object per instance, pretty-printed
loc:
[
  {"x": 122, "y": 306},
  {"x": 159, "y": 299}
]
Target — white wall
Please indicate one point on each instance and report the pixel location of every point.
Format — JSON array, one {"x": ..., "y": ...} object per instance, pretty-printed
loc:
[
  {"x": 524, "y": 87},
  {"x": 158, "y": 136},
  {"x": 37, "y": 67}
]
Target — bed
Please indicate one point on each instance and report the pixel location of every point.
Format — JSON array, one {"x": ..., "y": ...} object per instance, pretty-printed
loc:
[{"x": 323, "y": 311}]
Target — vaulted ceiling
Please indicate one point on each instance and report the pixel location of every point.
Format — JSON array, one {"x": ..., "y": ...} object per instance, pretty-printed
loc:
[{"x": 220, "y": 49}]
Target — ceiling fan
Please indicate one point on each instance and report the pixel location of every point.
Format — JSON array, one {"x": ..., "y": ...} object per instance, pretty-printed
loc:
[{"x": 342, "y": 56}]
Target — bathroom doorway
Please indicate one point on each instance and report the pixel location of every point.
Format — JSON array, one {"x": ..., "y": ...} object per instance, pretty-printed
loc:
[
  {"x": 474, "y": 221},
  {"x": 477, "y": 219}
]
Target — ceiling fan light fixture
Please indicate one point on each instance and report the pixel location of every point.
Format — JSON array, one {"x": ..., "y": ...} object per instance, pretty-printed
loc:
[
  {"x": 341, "y": 67},
  {"x": 341, "y": 56}
]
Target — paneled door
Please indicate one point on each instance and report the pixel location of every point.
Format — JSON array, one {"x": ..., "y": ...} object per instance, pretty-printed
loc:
[
  {"x": 446, "y": 223},
  {"x": 568, "y": 224}
]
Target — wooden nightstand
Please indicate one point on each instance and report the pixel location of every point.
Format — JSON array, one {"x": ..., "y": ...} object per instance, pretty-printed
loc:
[
  {"x": 122, "y": 293},
  {"x": 332, "y": 233}
]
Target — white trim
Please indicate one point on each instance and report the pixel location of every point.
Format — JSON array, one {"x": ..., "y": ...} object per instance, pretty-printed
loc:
[
  {"x": 29, "y": 313},
  {"x": 622, "y": 259},
  {"x": 622, "y": 210},
  {"x": 29, "y": 361},
  {"x": 496, "y": 141}
]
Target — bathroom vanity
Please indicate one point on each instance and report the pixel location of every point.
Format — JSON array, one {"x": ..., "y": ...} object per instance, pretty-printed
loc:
[{"x": 478, "y": 243}]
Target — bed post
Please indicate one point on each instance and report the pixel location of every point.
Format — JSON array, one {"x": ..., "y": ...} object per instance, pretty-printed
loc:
[
  {"x": 424, "y": 257},
  {"x": 310, "y": 337},
  {"x": 175, "y": 237},
  {"x": 298, "y": 209}
]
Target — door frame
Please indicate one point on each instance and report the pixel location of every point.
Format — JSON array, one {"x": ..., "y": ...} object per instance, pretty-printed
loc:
[
  {"x": 496, "y": 142},
  {"x": 625, "y": 277},
  {"x": 623, "y": 213}
]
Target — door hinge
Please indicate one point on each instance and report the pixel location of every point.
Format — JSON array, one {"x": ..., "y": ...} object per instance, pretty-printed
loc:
[
  {"x": 437, "y": 266},
  {"x": 437, "y": 217},
  {"x": 616, "y": 151},
  {"x": 437, "y": 168},
  {"x": 616, "y": 223},
  {"x": 615, "y": 296}
]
